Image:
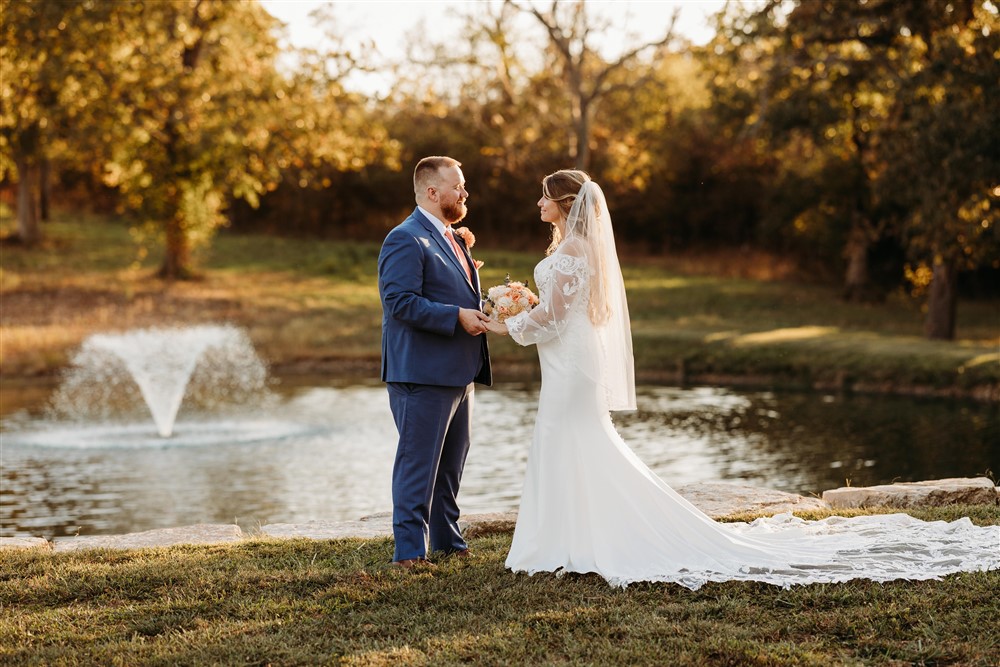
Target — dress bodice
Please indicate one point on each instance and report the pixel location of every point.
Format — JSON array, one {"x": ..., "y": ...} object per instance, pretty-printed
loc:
[{"x": 563, "y": 282}]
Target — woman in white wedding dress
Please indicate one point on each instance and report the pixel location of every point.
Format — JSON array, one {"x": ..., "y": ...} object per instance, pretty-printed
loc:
[{"x": 590, "y": 505}]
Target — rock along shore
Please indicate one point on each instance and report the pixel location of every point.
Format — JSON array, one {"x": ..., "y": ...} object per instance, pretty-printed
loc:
[{"x": 717, "y": 499}]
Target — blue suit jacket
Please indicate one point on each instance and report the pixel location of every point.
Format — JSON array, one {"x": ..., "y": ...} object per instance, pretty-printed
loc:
[{"x": 422, "y": 286}]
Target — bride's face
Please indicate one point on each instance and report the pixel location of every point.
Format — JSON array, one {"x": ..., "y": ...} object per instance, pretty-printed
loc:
[{"x": 549, "y": 211}]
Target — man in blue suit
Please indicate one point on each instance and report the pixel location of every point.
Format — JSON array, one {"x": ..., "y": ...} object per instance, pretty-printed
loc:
[{"x": 433, "y": 352}]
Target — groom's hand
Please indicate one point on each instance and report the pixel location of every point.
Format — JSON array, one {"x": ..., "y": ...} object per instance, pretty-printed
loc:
[{"x": 473, "y": 321}]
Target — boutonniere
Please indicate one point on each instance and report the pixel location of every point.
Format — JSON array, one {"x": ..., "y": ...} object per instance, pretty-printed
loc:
[{"x": 469, "y": 239}]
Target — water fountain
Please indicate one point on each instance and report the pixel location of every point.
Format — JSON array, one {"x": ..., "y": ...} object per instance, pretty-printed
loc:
[{"x": 116, "y": 382}]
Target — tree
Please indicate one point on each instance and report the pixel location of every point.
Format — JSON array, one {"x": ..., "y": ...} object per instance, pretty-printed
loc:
[
  {"x": 191, "y": 99},
  {"x": 327, "y": 142},
  {"x": 830, "y": 74},
  {"x": 898, "y": 96},
  {"x": 943, "y": 158},
  {"x": 588, "y": 78},
  {"x": 479, "y": 99},
  {"x": 48, "y": 54},
  {"x": 679, "y": 173}
]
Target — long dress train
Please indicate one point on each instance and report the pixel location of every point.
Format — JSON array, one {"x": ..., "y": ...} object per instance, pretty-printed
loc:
[{"x": 590, "y": 505}]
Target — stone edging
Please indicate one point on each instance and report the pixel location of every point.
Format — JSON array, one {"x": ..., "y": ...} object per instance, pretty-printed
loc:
[{"x": 717, "y": 499}]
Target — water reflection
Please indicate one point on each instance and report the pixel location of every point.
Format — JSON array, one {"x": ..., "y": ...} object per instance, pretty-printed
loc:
[{"x": 337, "y": 465}]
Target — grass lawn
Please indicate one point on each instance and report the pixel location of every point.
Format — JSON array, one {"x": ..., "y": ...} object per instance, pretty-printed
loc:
[
  {"x": 312, "y": 305},
  {"x": 303, "y": 602}
]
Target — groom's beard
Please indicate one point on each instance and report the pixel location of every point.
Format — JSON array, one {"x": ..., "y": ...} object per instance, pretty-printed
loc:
[{"x": 454, "y": 212}]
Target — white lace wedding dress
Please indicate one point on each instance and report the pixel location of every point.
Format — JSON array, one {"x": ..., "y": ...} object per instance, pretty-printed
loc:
[{"x": 590, "y": 505}]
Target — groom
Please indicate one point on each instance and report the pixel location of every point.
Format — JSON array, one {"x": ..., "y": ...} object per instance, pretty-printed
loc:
[{"x": 433, "y": 353}]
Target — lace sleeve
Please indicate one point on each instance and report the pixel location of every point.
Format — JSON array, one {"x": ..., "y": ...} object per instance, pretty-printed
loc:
[{"x": 562, "y": 291}]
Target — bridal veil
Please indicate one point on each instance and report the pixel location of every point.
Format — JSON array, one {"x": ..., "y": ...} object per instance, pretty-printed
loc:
[{"x": 588, "y": 228}]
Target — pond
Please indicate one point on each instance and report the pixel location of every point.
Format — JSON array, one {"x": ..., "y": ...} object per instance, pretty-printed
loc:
[{"x": 324, "y": 452}]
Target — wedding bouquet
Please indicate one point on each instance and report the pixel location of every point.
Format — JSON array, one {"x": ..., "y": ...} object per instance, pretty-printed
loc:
[{"x": 511, "y": 298}]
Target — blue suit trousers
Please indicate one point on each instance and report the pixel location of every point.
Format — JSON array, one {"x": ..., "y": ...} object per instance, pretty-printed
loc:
[{"x": 434, "y": 425}]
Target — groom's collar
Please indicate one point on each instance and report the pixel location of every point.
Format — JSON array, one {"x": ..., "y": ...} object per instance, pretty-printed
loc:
[{"x": 438, "y": 225}]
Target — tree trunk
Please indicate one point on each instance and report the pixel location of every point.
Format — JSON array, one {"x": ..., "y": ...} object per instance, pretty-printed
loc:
[
  {"x": 177, "y": 251},
  {"x": 942, "y": 301},
  {"x": 45, "y": 190},
  {"x": 583, "y": 136},
  {"x": 573, "y": 136},
  {"x": 857, "y": 283},
  {"x": 28, "y": 229}
]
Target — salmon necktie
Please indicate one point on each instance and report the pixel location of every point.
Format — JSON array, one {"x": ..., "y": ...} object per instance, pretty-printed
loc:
[{"x": 458, "y": 252}]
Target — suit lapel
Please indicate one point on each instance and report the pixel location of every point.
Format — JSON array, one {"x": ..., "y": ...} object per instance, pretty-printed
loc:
[
  {"x": 472, "y": 264},
  {"x": 448, "y": 250}
]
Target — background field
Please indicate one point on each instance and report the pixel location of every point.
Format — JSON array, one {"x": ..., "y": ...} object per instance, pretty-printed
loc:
[{"x": 312, "y": 306}]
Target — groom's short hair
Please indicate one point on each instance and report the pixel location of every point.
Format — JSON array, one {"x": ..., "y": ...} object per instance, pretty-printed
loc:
[{"x": 427, "y": 170}]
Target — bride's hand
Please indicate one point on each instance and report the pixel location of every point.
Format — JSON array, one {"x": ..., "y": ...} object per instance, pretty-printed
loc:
[{"x": 496, "y": 327}]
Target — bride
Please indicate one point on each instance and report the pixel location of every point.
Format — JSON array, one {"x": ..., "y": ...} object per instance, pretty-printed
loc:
[{"x": 590, "y": 505}]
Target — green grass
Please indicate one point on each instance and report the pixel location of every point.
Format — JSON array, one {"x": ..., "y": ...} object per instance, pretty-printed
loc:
[
  {"x": 302, "y": 602},
  {"x": 313, "y": 305}
]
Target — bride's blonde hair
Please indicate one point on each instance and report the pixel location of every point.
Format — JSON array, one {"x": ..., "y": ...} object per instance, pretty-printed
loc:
[{"x": 563, "y": 187}]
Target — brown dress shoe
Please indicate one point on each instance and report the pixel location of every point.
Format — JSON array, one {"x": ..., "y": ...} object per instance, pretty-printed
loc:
[{"x": 464, "y": 553}]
